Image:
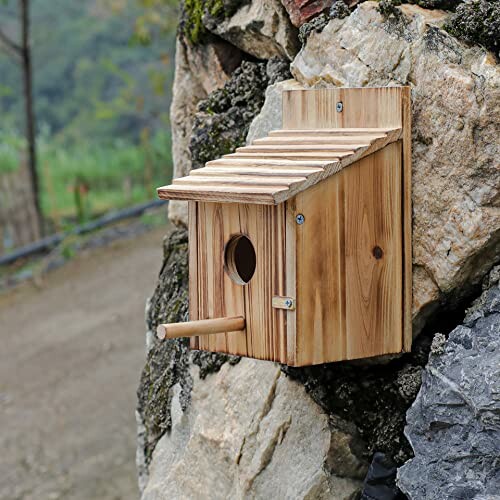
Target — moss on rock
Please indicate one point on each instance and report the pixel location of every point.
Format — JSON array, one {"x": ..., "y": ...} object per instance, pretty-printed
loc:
[
  {"x": 167, "y": 361},
  {"x": 193, "y": 13},
  {"x": 374, "y": 397},
  {"x": 222, "y": 120},
  {"x": 477, "y": 22}
]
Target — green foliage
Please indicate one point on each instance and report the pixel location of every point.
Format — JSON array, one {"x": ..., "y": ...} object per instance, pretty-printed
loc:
[
  {"x": 157, "y": 17},
  {"x": 193, "y": 11},
  {"x": 90, "y": 81},
  {"x": 88, "y": 179},
  {"x": 11, "y": 146},
  {"x": 101, "y": 101}
]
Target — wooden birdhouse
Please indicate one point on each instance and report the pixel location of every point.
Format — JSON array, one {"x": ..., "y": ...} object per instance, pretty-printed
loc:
[{"x": 299, "y": 244}]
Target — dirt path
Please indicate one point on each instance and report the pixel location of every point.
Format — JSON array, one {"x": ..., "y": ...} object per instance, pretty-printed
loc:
[{"x": 70, "y": 358}]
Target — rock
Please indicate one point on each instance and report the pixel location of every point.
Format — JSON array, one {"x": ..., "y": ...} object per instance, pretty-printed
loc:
[
  {"x": 277, "y": 70},
  {"x": 198, "y": 71},
  {"x": 221, "y": 122},
  {"x": 166, "y": 362},
  {"x": 340, "y": 9},
  {"x": 260, "y": 28},
  {"x": 478, "y": 22},
  {"x": 380, "y": 482},
  {"x": 301, "y": 11},
  {"x": 316, "y": 25},
  {"x": 270, "y": 116},
  {"x": 250, "y": 431},
  {"x": 456, "y": 110},
  {"x": 454, "y": 424}
]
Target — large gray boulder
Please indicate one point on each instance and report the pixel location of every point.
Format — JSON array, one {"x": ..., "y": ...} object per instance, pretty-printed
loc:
[{"x": 454, "y": 424}]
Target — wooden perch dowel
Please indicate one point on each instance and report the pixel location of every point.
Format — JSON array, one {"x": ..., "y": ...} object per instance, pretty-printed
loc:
[{"x": 200, "y": 327}]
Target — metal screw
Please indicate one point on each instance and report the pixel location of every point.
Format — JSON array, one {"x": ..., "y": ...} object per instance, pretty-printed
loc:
[
  {"x": 288, "y": 303},
  {"x": 339, "y": 107},
  {"x": 300, "y": 219}
]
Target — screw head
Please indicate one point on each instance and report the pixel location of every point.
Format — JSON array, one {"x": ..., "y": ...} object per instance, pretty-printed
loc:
[
  {"x": 300, "y": 219},
  {"x": 288, "y": 303},
  {"x": 339, "y": 107}
]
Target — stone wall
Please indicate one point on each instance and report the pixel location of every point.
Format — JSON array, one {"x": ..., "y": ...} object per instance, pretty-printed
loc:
[{"x": 213, "y": 426}]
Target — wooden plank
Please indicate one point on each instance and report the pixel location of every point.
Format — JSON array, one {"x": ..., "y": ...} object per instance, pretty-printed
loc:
[
  {"x": 265, "y": 334},
  {"x": 349, "y": 262},
  {"x": 320, "y": 334},
  {"x": 295, "y": 148},
  {"x": 407, "y": 220},
  {"x": 259, "y": 171},
  {"x": 310, "y": 139},
  {"x": 290, "y": 156},
  {"x": 251, "y": 180},
  {"x": 362, "y": 107},
  {"x": 291, "y": 280},
  {"x": 328, "y": 131},
  {"x": 257, "y": 195},
  {"x": 256, "y": 162},
  {"x": 194, "y": 289}
]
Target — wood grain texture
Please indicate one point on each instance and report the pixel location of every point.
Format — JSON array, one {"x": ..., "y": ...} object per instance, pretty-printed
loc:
[
  {"x": 274, "y": 169},
  {"x": 348, "y": 266},
  {"x": 201, "y": 326},
  {"x": 265, "y": 334},
  {"x": 194, "y": 258},
  {"x": 349, "y": 263},
  {"x": 407, "y": 219},
  {"x": 363, "y": 108}
]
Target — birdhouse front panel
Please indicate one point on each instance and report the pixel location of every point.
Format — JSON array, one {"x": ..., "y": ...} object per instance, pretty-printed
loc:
[
  {"x": 237, "y": 264},
  {"x": 300, "y": 243}
]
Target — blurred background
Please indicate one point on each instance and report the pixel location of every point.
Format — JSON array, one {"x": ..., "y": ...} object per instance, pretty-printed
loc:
[{"x": 85, "y": 90}]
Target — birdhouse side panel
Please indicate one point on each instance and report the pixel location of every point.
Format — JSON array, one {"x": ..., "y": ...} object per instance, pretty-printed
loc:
[
  {"x": 214, "y": 292},
  {"x": 350, "y": 262}
]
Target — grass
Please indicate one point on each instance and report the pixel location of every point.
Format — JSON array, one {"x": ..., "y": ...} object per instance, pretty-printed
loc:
[{"x": 86, "y": 180}]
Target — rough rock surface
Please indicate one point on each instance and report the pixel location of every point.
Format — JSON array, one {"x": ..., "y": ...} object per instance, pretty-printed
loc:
[
  {"x": 270, "y": 116},
  {"x": 454, "y": 424},
  {"x": 301, "y": 11},
  {"x": 221, "y": 122},
  {"x": 198, "y": 71},
  {"x": 245, "y": 436},
  {"x": 456, "y": 111},
  {"x": 165, "y": 360},
  {"x": 477, "y": 21},
  {"x": 261, "y": 28}
]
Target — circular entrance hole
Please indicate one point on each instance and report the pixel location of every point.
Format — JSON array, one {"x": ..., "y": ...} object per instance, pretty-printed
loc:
[{"x": 239, "y": 259}]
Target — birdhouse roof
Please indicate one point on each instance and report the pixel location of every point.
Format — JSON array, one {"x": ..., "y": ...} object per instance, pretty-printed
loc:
[{"x": 273, "y": 169}]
